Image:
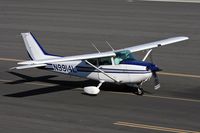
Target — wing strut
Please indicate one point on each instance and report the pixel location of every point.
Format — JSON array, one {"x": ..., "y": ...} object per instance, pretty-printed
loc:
[
  {"x": 116, "y": 80},
  {"x": 148, "y": 52}
]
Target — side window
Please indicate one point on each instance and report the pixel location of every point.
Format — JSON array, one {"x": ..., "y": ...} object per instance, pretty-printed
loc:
[
  {"x": 105, "y": 61},
  {"x": 93, "y": 61}
]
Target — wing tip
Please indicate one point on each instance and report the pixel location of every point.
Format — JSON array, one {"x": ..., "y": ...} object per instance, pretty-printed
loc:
[{"x": 183, "y": 37}]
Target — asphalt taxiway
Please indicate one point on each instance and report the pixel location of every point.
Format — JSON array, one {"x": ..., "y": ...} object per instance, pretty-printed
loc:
[{"x": 39, "y": 101}]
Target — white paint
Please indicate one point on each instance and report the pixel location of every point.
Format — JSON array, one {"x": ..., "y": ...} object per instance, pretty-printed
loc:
[{"x": 184, "y": 1}]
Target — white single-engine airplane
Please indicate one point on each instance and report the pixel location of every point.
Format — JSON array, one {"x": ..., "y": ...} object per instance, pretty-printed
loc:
[{"x": 116, "y": 66}]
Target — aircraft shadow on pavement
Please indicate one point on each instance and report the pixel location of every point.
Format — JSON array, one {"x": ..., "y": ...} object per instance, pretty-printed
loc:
[{"x": 60, "y": 85}]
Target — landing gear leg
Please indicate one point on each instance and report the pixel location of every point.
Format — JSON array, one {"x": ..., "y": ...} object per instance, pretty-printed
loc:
[{"x": 100, "y": 83}]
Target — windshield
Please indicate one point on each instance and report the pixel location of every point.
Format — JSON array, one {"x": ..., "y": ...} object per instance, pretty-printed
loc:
[{"x": 123, "y": 55}]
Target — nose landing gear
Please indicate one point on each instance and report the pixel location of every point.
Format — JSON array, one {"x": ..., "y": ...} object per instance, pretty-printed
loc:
[
  {"x": 136, "y": 88},
  {"x": 140, "y": 91}
]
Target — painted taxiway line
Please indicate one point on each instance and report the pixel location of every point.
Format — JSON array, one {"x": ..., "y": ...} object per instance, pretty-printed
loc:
[
  {"x": 159, "y": 97},
  {"x": 10, "y": 59},
  {"x": 179, "y": 75},
  {"x": 155, "y": 128},
  {"x": 120, "y": 93},
  {"x": 182, "y": 1},
  {"x": 29, "y": 83}
]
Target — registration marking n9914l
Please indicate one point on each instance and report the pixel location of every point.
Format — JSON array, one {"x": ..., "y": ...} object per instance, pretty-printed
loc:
[{"x": 64, "y": 68}]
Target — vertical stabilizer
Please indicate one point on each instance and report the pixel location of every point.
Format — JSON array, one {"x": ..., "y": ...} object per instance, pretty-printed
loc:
[{"x": 34, "y": 49}]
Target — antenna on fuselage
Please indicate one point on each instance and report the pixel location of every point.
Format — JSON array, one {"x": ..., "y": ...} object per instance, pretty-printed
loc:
[
  {"x": 110, "y": 46},
  {"x": 95, "y": 46}
]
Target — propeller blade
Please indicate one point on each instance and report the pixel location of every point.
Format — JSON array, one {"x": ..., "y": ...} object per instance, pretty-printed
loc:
[
  {"x": 156, "y": 81},
  {"x": 155, "y": 76}
]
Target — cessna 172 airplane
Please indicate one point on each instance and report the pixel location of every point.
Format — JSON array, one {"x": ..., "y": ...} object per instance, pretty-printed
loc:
[{"x": 116, "y": 66}]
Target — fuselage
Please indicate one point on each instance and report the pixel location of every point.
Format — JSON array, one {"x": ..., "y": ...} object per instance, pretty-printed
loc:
[
  {"x": 125, "y": 73},
  {"x": 122, "y": 68}
]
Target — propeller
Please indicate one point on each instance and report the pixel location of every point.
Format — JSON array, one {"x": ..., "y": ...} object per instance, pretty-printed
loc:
[
  {"x": 155, "y": 76},
  {"x": 156, "y": 81}
]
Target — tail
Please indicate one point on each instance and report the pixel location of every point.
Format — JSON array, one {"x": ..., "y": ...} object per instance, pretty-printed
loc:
[{"x": 34, "y": 49}]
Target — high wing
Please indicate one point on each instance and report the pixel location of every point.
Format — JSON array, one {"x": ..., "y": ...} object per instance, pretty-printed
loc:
[
  {"x": 33, "y": 48},
  {"x": 111, "y": 53},
  {"x": 155, "y": 44}
]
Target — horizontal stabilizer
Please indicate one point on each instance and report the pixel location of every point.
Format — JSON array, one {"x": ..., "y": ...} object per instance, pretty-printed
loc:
[
  {"x": 29, "y": 66},
  {"x": 26, "y": 62}
]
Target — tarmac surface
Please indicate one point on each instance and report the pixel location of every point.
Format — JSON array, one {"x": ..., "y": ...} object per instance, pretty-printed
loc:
[{"x": 36, "y": 101}]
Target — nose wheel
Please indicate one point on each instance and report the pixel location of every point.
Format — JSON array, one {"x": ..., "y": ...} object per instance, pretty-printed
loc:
[
  {"x": 140, "y": 91},
  {"x": 137, "y": 89}
]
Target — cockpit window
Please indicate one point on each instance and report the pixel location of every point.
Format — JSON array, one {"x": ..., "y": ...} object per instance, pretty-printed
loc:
[{"x": 123, "y": 55}]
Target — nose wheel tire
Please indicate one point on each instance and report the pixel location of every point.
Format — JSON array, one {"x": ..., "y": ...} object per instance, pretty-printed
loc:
[
  {"x": 136, "y": 89},
  {"x": 140, "y": 91}
]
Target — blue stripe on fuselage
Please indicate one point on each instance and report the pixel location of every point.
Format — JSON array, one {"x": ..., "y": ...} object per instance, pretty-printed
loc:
[
  {"x": 106, "y": 70},
  {"x": 149, "y": 65}
]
